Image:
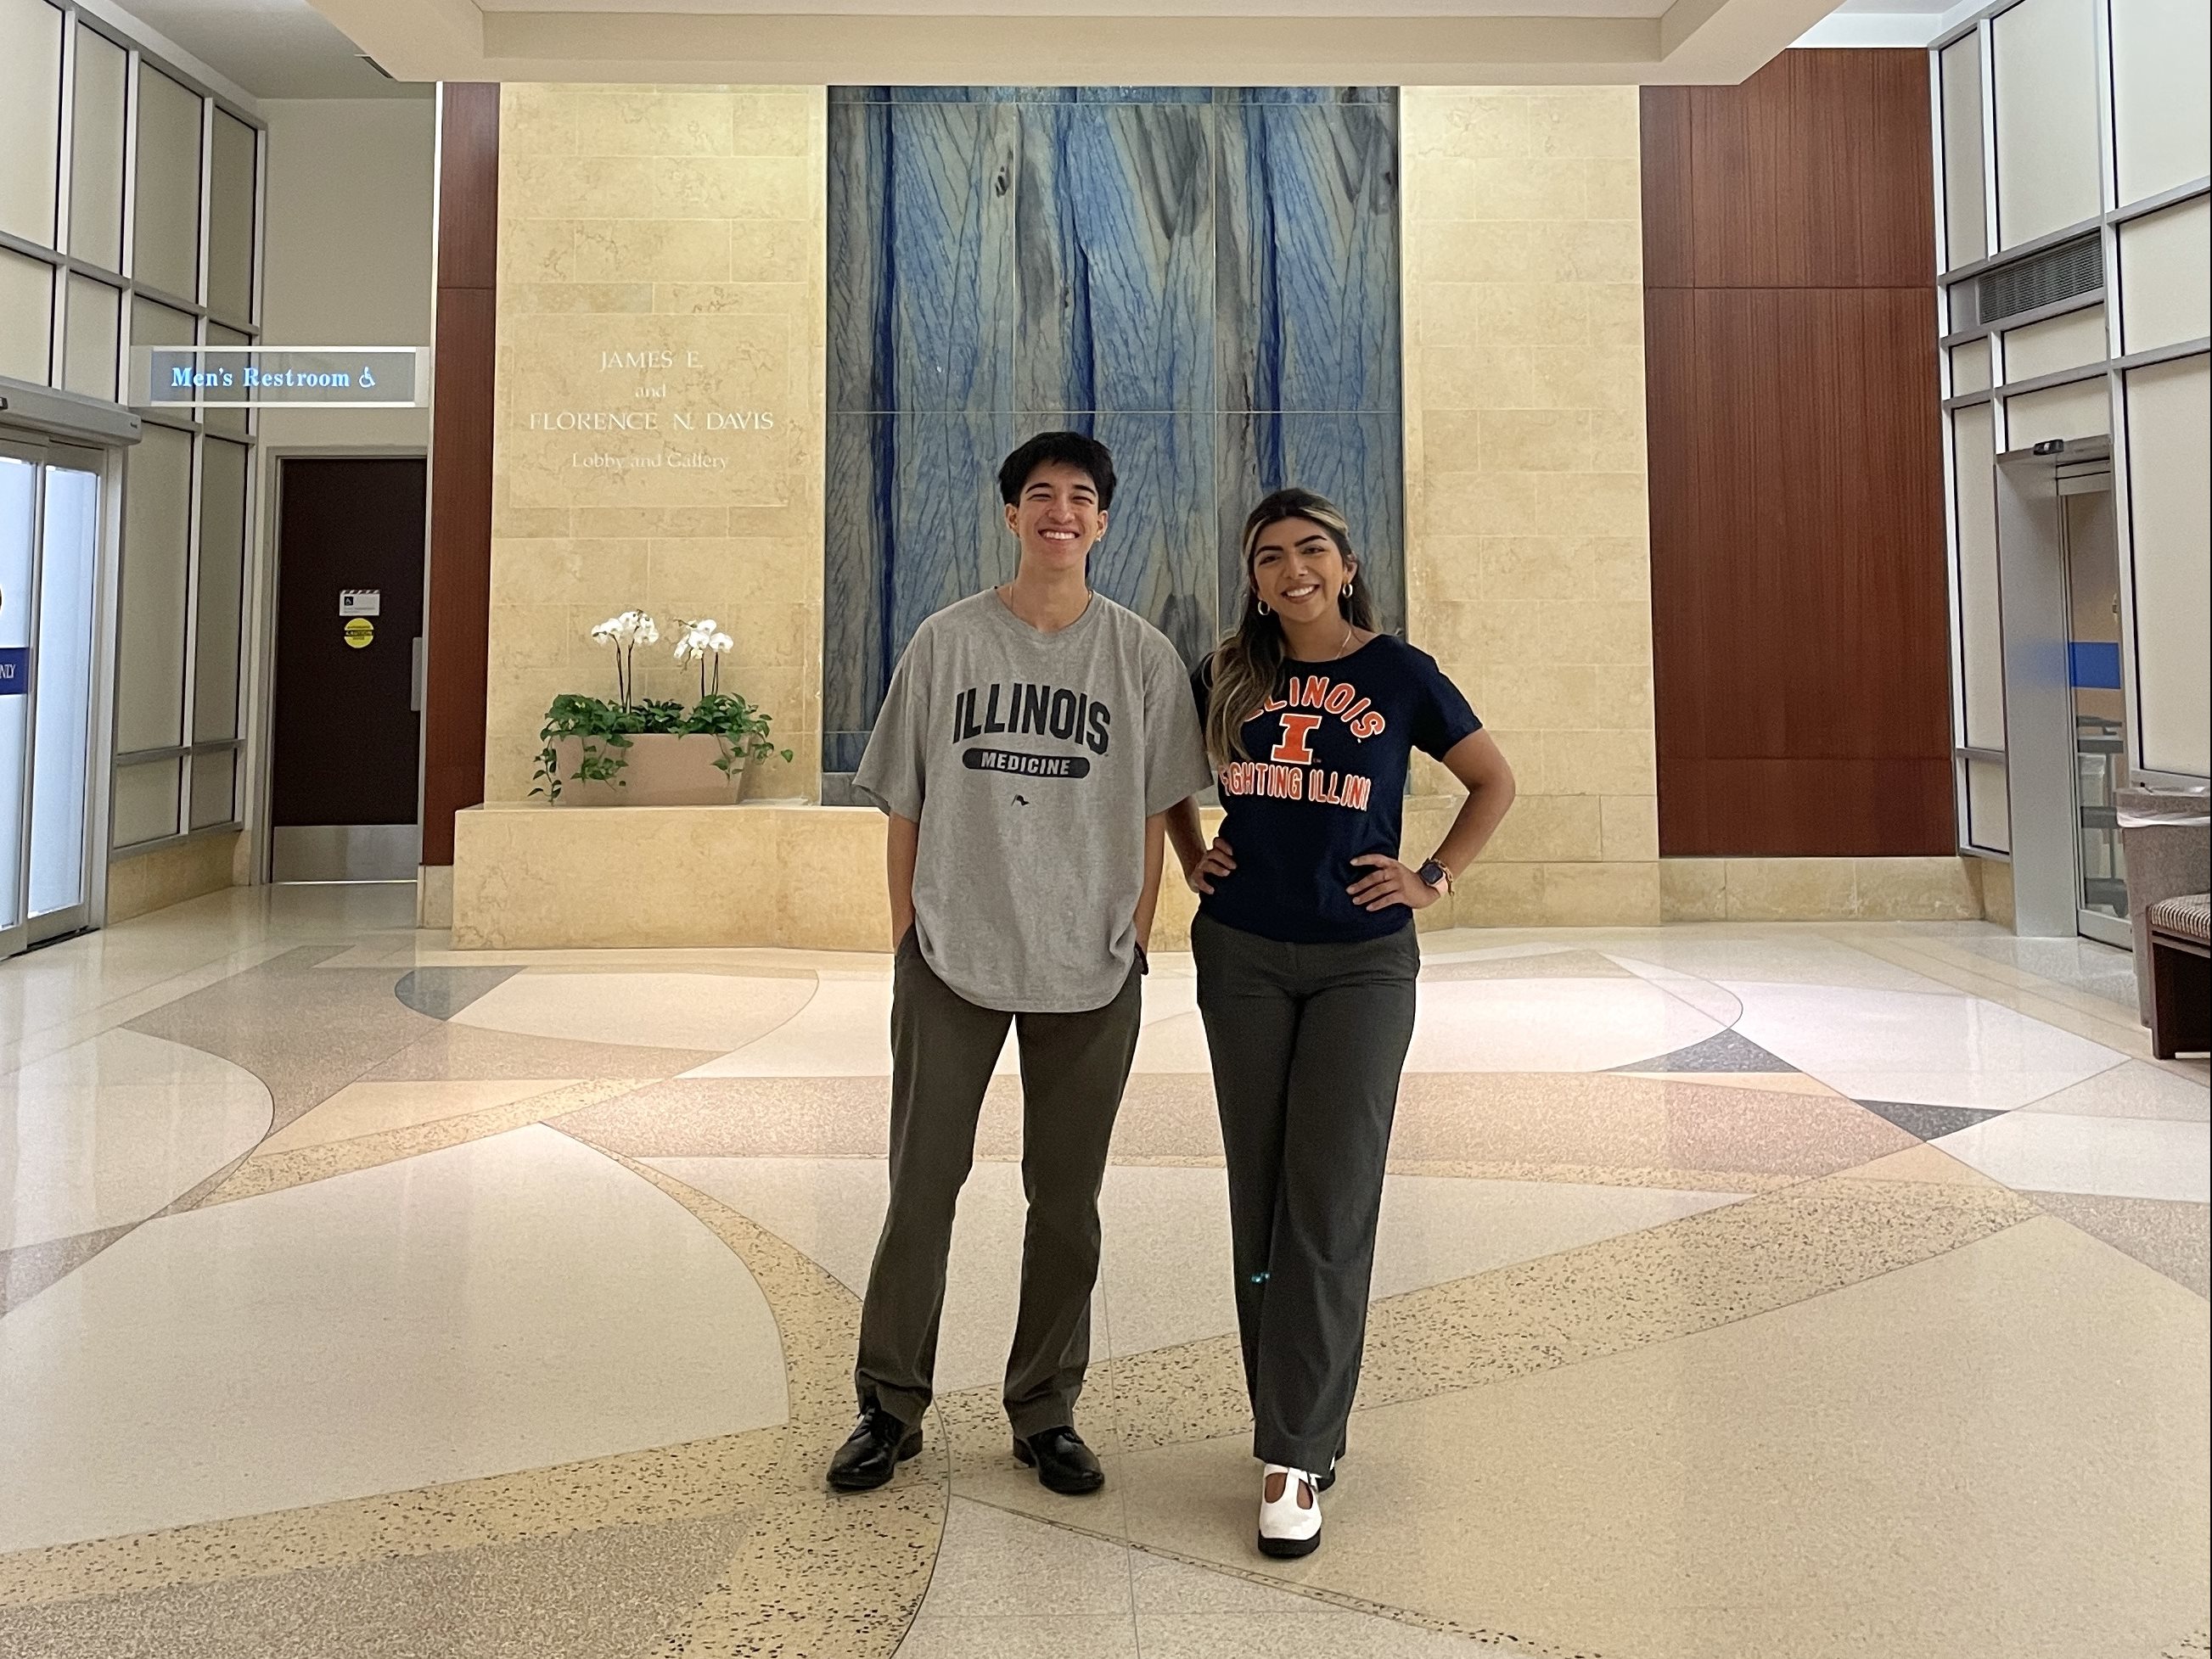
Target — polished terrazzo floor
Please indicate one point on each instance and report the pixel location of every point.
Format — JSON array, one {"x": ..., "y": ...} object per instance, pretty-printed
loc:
[{"x": 1760, "y": 1291}]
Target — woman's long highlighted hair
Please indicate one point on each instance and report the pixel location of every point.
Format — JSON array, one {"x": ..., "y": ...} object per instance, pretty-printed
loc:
[{"x": 1248, "y": 664}]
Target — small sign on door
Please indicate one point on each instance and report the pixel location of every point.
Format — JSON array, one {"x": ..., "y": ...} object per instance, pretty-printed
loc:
[
  {"x": 360, "y": 601},
  {"x": 16, "y": 670}
]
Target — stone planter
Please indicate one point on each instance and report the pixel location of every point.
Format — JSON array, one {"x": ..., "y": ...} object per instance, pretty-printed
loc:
[{"x": 662, "y": 768}]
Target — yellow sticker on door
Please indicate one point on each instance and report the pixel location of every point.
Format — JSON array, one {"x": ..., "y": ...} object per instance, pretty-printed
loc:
[{"x": 359, "y": 632}]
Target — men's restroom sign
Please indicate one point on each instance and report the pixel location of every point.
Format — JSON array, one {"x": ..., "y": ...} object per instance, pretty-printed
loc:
[
  {"x": 15, "y": 670},
  {"x": 263, "y": 377}
]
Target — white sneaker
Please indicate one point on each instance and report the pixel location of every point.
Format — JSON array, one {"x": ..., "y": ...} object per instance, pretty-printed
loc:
[{"x": 1289, "y": 1513}]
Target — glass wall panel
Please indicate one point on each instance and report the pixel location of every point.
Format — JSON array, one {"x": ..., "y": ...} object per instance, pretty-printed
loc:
[
  {"x": 30, "y": 118},
  {"x": 2161, "y": 95},
  {"x": 2166, "y": 275},
  {"x": 166, "y": 245},
  {"x": 1970, "y": 368},
  {"x": 214, "y": 797},
  {"x": 154, "y": 324},
  {"x": 2044, "y": 58},
  {"x": 93, "y": 331},
  {"x": 1988, "y": 811},
  {"x": 71, "y": 563},
  {"x": 1966, "y": 203},
  {"x": 2082, "y": 410},
  {"x": 218, "y": 417},
  {"x": 2170, "y": 519},
  {"x": 27, "y": 314},
  {"x": 230, "y": 221},
  {"x": 144, "y": 805},
  {"x": 222, "y": 585},
  {"x": 96, "y": 151},
  {"x": 2072, "y": 341},
  {"x": 1981, "y": 639},
  {"x": 157, "y": 508}
]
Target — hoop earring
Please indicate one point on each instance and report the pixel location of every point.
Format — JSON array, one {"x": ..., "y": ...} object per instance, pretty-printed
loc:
[
  {"x": 1262, "y": 606},
  {"x": 1347, "y": 588}
]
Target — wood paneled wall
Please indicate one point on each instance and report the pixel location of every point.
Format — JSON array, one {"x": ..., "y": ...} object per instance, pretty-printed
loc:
[
  {"x": 1800, "y": 632},
  {"x": 462, "y": 373}
]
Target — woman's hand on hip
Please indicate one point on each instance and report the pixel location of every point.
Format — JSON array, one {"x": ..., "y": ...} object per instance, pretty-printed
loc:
[
  {"x": 1388, "y": 881},
  {"x": 1215, "y": 861}
]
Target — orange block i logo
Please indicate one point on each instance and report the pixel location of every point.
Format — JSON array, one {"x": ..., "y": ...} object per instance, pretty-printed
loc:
[{"x": 1294, "y": 749}]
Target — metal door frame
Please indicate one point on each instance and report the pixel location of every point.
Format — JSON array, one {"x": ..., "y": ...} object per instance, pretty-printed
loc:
[
  {"x": 258, "y": 823},
  {"x": 2088, "y": 480},
  {"x": 46, "y": 455}
]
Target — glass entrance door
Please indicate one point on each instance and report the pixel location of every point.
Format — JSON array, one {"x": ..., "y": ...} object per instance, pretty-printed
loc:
[
  {"x": 2100, "y": 750},
  {"x": 50, "y": 504},
  {"x": 18, "y": 564}
]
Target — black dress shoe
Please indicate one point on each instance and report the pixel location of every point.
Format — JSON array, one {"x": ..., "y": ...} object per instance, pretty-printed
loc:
[
  {"x": 871, "y": 1455},
  {"x": 1063, "y": 1462}
]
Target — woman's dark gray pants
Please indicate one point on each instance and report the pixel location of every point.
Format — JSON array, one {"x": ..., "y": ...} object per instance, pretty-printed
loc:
[{"x": 1307, "y": 1043}]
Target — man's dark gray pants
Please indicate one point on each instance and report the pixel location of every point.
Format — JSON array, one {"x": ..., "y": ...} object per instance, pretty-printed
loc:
[
  {"x": 1074, "y": 1067},
  {"x": 1308, "y": 1043}
]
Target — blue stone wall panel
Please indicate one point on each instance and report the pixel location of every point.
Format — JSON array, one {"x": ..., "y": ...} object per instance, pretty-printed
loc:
[{"x": 1205, "y": 279}]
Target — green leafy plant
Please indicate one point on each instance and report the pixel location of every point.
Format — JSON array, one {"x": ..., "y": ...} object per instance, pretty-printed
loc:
[
  {"x": 743, "y": 729},
  {"x": 605, "y": 731}
]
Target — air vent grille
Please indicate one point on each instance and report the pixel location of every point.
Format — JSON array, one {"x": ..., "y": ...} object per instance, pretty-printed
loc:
[{"x": 2057, "y": 273}]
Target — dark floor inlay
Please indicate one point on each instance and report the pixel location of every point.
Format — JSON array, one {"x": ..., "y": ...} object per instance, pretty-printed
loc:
[
  {"x": 2166, "y": 1234},
  {"x": 27, "y": 1269},
  {"x": 1929, "y": 1122},
  {"x": 1724, "y": 1051},
  {"x": 441, "y": 992},
  {"x": 304, "y": 1035}
]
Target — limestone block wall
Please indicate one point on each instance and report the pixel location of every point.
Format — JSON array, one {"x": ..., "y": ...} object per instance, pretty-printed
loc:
[
  {"x": 659, "y": 419},
  {"x": 1527, "y": 554}
]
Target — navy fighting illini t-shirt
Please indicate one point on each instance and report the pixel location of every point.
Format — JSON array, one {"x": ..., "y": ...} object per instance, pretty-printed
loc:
[{"x": 1326, "y": 783}]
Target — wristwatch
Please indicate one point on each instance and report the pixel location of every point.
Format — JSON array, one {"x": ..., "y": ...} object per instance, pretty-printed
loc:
[{"x": 1434, "y": 875}]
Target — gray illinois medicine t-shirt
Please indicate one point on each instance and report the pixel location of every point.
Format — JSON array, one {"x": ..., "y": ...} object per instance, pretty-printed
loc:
[{"x": 1031, "y": 761}]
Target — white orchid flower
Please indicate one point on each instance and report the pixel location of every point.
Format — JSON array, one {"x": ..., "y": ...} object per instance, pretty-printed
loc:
[
  {"x": 648, "y": 631},
  {"x": 622, "y": 629},
  {"x": 720, "y": 642},
  {"x": 698, "y": 640}
]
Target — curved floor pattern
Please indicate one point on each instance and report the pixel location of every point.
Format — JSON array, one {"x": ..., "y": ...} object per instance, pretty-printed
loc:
[
  {"x": 1166, "y": 1281},
  {"x": 662, "y": 1011},
  {"x": 538, "y": 1304},
  {"x": 557, "y": 1308},
  {"x": 111, "y": 1130}
]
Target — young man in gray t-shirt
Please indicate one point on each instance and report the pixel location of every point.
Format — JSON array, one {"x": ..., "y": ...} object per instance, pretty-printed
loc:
[{"x": 1031, "y": 744}]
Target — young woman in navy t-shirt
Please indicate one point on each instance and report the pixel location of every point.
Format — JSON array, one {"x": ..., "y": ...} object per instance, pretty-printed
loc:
[{"x": 1307, "y": 961}]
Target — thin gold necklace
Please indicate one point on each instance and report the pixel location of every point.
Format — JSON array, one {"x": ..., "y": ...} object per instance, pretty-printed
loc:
[{"x": 1343, "y": 647}]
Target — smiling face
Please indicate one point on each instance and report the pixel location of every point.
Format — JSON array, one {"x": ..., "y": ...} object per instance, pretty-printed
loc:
[
  {"x": 1298, "y": 571},
  {"x": 1057, "y": 517}
]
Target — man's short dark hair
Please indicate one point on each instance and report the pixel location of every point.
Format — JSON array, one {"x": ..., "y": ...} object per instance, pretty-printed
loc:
[{"x": 1067, "y": 449}]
